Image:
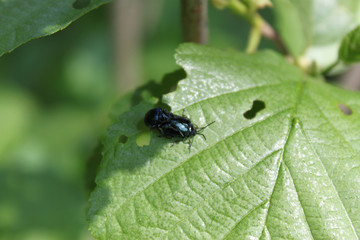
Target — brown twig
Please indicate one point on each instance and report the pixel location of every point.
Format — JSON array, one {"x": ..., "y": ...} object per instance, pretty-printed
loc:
[{"x": 194, "y": 21}]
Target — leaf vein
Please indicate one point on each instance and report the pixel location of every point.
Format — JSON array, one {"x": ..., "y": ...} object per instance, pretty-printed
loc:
[{"x": 222, "y": 188}]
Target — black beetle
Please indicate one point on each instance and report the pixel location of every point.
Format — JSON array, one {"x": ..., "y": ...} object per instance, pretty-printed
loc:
[
  {"x": 157, "y": 116},
  {"x": 171, "y": 125}
]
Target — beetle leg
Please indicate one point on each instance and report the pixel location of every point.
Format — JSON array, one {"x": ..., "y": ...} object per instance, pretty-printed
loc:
[
  {"x": 177, "y": 130},
  {"x": 190, "y": 142},
  {"x": 177, "y": 141},
  {"x": 161, "y": 131},
  {"x": 163, "y": 134}
]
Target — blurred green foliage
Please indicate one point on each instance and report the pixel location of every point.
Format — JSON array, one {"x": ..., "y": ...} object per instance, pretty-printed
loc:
[{"x": 55, "y": 96}]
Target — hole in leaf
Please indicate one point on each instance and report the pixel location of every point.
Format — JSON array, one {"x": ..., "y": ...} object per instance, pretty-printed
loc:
[
  {"x": 154, "y": 89},
  {"x": 79, "y": 4},
  {"x": 169, "y": 81},
  {"x": 144, "y": 137},
  {"x": 257, "y": 106},
  {"x": 345, "y": 109},
  {"x": 122, "y": 139}
]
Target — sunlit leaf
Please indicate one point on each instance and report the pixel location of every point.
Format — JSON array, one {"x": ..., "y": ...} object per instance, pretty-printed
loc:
[{"x": 281, "y": 161}]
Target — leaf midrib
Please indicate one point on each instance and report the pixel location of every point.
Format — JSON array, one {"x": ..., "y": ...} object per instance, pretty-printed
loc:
[{"x": 291, "y": 122}]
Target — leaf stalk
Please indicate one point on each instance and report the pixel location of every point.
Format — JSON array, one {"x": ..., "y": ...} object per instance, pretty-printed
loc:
[
  {"x": 259, "y": 27},
  {"x": 331, "y": 67}
]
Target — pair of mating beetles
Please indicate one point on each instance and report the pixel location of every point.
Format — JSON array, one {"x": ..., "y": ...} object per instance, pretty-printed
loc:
[{"x": 173, "y": 126}]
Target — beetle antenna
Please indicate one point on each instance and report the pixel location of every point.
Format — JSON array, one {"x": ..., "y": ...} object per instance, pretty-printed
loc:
[
  {"x": 202, "y": 135},
  {"x": 202, "y": 128}
]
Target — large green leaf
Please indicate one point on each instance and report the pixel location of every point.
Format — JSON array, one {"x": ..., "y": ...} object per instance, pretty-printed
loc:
[
  {"x": 290, "y": 171},
  {"x": 315, "y": 27},
  {"x": 21, "y": 21}
]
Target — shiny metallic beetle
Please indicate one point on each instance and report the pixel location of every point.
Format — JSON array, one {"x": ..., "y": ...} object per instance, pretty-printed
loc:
[{"x": 173, "y": 126}]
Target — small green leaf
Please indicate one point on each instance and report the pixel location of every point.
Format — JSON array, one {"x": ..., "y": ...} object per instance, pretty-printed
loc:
[
  {"x": 315, "y": 28},
  {"x": 22, "y": 21},
  {"x": 331, "y": 21},
  {"x": 349, "y": 51},
  {"x": 289, "y": 170},
  {"x": 290, "y": 24}
]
